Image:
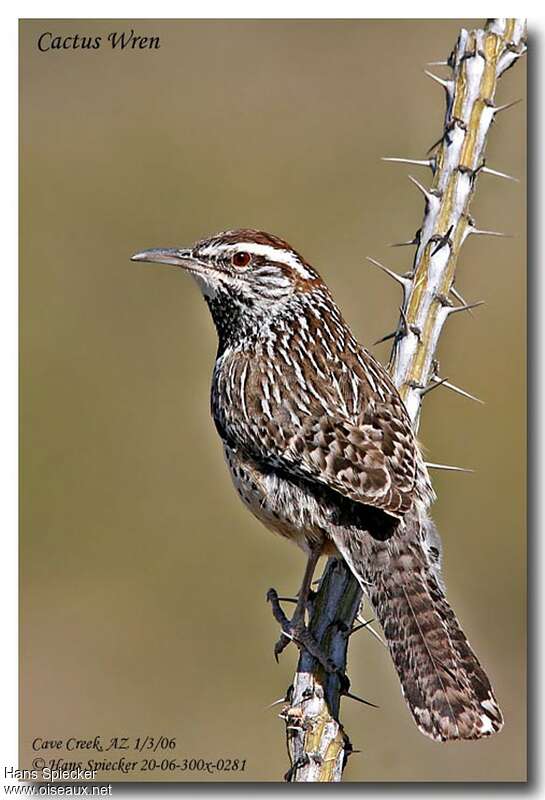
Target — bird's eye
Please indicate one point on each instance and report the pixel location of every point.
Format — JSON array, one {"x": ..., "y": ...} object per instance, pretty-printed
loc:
[{"x": 241, "y": 259}]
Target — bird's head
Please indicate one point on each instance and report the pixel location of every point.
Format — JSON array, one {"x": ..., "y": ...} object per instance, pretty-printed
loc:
[{"x": 245, "y": 275}]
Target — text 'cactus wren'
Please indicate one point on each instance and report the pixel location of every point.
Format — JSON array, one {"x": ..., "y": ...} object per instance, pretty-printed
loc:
[{"x": 322, "y": 451}]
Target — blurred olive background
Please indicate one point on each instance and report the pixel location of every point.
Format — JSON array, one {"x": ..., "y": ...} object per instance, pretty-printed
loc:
[{"x": 143, "y": 578}]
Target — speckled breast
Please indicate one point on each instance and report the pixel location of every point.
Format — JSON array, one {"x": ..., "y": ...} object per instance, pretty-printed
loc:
[{"x": 279, "y": 504}]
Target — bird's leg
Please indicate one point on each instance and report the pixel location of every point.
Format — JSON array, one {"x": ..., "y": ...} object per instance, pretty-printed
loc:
[
  {"x": 303, "y": 595},
  {"x": 296, "y": 629}
]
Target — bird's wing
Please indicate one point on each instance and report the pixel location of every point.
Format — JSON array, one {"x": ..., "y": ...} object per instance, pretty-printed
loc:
[
  {"x": 373, "y": 462},
  {"x": 364, "y": 450}
]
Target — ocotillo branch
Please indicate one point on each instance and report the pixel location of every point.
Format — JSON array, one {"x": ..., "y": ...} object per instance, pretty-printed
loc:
[{"x": 317, "y": 743}]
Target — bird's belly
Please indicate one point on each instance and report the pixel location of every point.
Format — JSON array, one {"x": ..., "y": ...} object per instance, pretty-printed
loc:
[{"x": 282, "y": 506}]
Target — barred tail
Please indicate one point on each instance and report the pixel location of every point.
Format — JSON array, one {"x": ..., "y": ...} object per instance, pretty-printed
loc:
[{"x": 446, "y": 689}]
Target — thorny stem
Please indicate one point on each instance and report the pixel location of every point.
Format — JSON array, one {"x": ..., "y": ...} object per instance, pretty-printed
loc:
[
  {"x": 478, "y": 60},
  {"x": 317, "y": 743}
]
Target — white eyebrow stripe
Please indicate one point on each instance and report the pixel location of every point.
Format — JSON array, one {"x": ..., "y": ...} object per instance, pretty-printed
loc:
[{"x": 265, "y": 250}]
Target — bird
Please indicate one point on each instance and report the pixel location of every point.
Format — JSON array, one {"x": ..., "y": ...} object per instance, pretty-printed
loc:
[{"x": 322, "y": 451}]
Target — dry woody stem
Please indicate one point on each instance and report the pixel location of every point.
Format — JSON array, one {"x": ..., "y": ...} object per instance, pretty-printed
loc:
[{"x": 318, "y": 746}]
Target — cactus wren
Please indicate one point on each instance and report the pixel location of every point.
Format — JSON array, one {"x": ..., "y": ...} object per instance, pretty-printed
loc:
[{"x": 321, "y": 450}]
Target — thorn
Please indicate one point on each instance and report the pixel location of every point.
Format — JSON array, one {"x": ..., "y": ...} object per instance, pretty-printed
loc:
[
  {"x": 405, "y": 282},
  {"x": 440, "y": 244},
  {"x": 498, "y": 109},
  {"x": 301, "y": 762},
  {"x": 403, "y": 244},
  {"x": 435, "y": 144},
  {"x": 446, "y": 84},
  {"x": 488, "y": 171},
  {"x": 360, "y": 699},
  {"x": 431, "y": 465},
  {"x": 367, "y": 625},
  {"x": 456, "y": 389},
  {"x": 363, "y": 624},
  {"x": 476, "y": 232},
  {"x": 454, "y": 291},
  {"x": 428, "y": 162},
  {"x": 407, "y": 328},
  {"x": 442, "y": 240},
  {"x": 436, "y": 383},
  {"x": 287, "y": 599},
  {"x": 404, "y": 320},
  {"x": 276, "y": 702},
  {"x": 418, "y": 185},
  {"x": 454, "y": 309},
  {"x": 385, "y": 338},
  {"x": 427, "y": 194},
  {"x": 437, "y": 64}
]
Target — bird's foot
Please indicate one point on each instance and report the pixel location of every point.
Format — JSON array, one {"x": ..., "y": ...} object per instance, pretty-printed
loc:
[{"x": 294, "y": 630}]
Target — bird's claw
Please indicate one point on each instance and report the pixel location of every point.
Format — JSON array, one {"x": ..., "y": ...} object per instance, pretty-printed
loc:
[
  {"x": 295, "y": 630},
  {"x": 281, "y": 645}
]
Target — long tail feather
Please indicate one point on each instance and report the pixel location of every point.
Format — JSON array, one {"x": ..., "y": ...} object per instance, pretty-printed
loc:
[{"x": 446, "y": 689}]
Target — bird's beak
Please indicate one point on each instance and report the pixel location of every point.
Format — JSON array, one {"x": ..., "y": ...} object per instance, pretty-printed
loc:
[{"x": 163, "y": 255}]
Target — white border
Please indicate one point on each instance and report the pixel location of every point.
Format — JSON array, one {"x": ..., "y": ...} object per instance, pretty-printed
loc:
[
  {"x": 9, "y": 296},
  {"x": 288, "y": 9}
]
